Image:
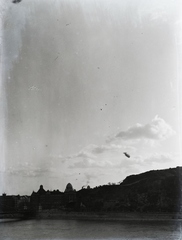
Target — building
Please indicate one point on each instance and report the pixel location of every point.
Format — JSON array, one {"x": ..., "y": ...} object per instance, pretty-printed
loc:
[
  {"x": 42, "y": 199},
  {"x": 69, "y": 196},
  {"x": 8, "y": 203}
]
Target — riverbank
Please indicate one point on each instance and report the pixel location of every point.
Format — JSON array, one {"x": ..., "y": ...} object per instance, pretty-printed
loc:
[{"x": 56, "y": 214}]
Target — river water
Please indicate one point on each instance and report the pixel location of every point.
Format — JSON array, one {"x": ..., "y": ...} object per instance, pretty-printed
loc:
[{"x": 81, "y": 230}]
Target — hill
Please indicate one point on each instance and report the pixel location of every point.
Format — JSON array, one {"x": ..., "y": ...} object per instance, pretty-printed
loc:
[{"x": 152, "y": 191}]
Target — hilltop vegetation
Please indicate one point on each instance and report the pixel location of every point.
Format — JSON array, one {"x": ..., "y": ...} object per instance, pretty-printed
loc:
[{"x": 153, "y": 191}]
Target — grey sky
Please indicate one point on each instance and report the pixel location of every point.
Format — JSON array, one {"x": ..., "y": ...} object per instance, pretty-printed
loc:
[{"x": 80, "y": 75}]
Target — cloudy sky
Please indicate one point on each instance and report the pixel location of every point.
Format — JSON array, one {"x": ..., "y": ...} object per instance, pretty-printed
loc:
[{"x": 82, "y": 82}]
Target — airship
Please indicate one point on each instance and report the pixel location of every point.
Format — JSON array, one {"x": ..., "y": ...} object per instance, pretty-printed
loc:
[
  {"x": 126, "y": 154},
  {"x": 16, "y": 1}
]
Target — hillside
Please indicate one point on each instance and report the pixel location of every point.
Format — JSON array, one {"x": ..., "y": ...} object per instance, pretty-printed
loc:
[{"x": 153, "y": 191}]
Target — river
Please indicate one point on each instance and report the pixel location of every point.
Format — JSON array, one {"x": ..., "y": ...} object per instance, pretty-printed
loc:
[{"x": 81, "y": 230}]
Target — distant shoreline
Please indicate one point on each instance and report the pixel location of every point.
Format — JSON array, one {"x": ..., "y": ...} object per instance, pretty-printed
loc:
[{"x": 110, "y": 216}]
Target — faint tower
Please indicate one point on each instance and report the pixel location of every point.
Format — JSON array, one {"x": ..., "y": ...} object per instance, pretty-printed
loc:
[
  {"x": 69, "y": 188},
  {"x": 69, "y": 195}
]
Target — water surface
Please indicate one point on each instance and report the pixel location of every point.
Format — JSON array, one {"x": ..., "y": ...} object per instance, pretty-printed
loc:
[{"x": 73, "y": 229}]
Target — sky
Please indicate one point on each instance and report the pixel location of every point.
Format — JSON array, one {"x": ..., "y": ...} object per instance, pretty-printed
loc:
[{"x": 82, "y": 82}]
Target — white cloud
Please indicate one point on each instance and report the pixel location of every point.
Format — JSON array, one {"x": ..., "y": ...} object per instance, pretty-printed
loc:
[
  {"x": 104, "y": 156},
  {"x": 160, "y": 158},
  {"x": 27, "y": 169},
  {"x": 28, "y": 172},
  {"x": 92, "y": 151},
  {"x": 86, "y": 163},
  {"x": 110, "y": 154},
  {"x": 157, "y": 129}
]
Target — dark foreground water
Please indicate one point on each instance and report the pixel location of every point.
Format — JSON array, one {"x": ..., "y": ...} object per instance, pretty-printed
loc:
[{"x": 73, "y": 229}]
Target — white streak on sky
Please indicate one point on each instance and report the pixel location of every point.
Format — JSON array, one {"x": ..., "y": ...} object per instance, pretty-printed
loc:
[{"x": 2, "y": 99}]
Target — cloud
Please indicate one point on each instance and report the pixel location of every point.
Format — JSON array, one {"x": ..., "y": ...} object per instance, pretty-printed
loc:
[
  {"x": 28, "y": 170},
  {"x": 92, "y": 163},
  {"x": 111, "y": 157},
  {"x": 160, "y": 158},
  {"x": 92, "y": 151},
  {"x": 111, "y": 148},
  {"x": 157, "y": 129},
  {"x": 27, "y": 173},
  {"x": 95, "y": 156}
]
